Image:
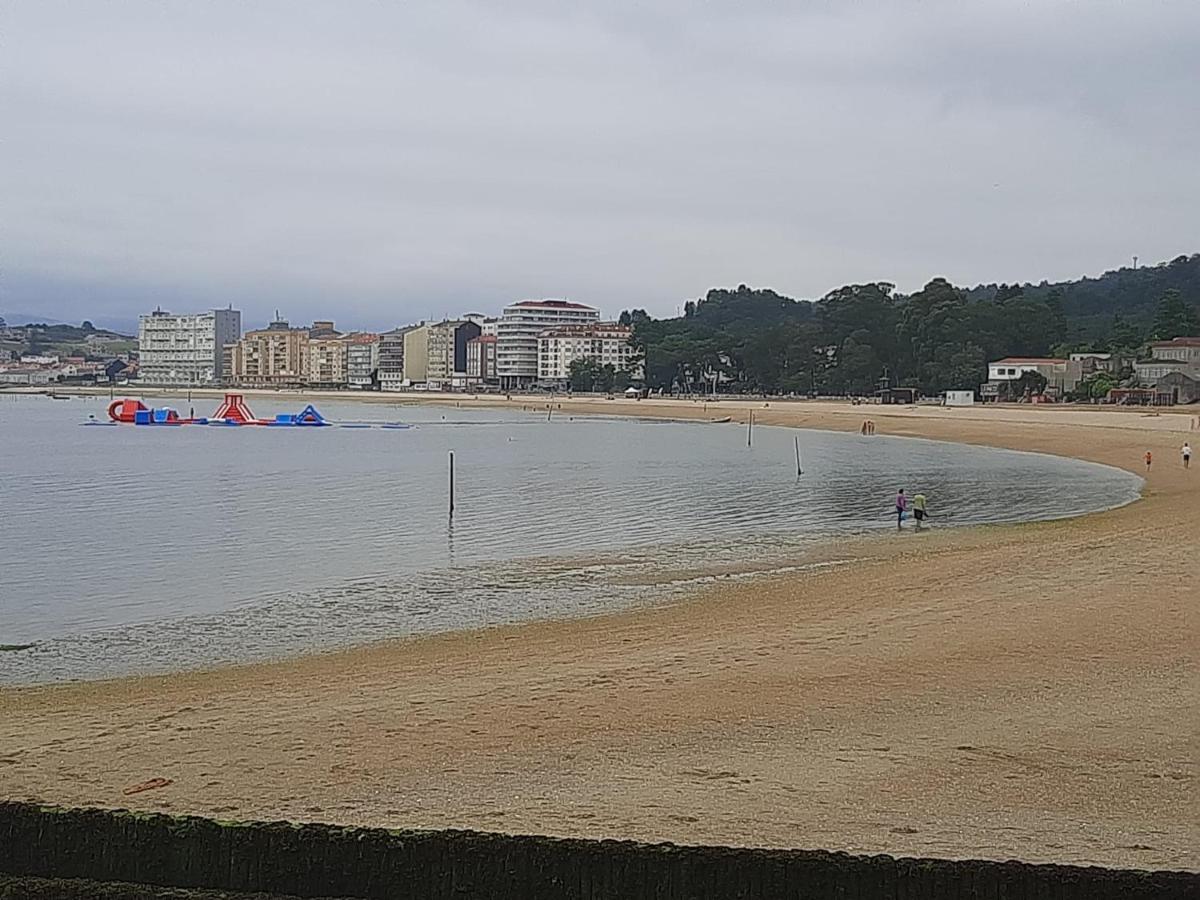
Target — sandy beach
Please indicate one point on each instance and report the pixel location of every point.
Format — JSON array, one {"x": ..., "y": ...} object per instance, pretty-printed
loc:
[{"x": 1004, "y": 692}]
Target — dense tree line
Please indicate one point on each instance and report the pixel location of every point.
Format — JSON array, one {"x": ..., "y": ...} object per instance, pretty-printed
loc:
[{"x": 939, "y": 338}]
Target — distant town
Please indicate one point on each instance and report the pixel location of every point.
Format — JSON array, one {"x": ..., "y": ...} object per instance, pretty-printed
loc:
[
  {"x": 547, "y": 344},
  {"x": 532, "y": 344}
]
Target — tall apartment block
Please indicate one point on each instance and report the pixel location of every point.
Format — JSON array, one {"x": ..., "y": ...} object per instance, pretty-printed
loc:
[
  {"x": 518, "y": 331},
  {"x": 185, "y": 350}
]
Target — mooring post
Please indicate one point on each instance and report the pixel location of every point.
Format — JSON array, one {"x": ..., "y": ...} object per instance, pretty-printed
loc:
[
  {"x": 452, "y": 484},
  {"x": 799, "y": 471},
  {"x": 750, "y": 428}
]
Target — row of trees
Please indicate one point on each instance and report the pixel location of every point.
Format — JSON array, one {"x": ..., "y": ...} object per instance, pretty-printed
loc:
[
  {"x": 937, "y": 339},
  {"x": 588, "y": 374}
]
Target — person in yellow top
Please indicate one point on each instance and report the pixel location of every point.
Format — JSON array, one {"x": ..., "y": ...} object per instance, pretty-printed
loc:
[{"x": 919, "y": 509}]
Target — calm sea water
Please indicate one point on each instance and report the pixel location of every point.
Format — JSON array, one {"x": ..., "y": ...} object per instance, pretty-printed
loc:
[{"x": 130, "y": 549}]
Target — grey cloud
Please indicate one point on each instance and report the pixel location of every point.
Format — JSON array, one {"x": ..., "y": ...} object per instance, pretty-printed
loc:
[{"x": 384, "y": 162}]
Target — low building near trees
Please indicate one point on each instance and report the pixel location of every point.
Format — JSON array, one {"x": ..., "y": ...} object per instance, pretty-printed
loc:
[
  {"x": 1179, "y": 387},
  {"x": 891, "y": 396},
  {"x": 1008, "y": 377},
  {"x": 1171, "y": 374},
  {"x": 1181, "y": 354},
  {"x": 960, "y": 398}
]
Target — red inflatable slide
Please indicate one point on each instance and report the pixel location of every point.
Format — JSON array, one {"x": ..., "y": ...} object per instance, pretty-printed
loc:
[
  {"x": 234, "y": 409},
  {"x": 125, "y": 410}
]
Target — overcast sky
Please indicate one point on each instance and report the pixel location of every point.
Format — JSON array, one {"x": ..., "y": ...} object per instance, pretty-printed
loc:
[{"x": 380, "y": 162}]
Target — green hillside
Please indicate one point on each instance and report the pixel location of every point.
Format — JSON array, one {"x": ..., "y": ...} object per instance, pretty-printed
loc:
[{"x": 938, "y": 339}]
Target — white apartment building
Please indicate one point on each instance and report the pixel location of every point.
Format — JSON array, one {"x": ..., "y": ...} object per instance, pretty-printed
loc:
[
  {"x": 606, "y": 342},
  {"x": 518, "y": 330},
  {"x": 187, "y": 349},
  {"x": 362, "y": 360},
  {"x": 481, "y": 359}
]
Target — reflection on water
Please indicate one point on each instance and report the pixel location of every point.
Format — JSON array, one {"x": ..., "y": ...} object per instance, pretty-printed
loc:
[{"x": 141, "y": 549}]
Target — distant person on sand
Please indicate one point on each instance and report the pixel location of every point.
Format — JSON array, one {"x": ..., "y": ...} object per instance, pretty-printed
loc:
[
  {"x": 901, "y": 507},
  {"x": 1187, "y": 455},
  {"x": 919, "y": 509},
  {"x": 1149, "y": 460}
]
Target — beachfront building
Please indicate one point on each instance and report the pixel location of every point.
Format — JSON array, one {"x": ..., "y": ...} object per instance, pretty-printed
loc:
[
  {"x": 1172, "y": 373},
  {"x": 1092, "y": 363},
  {"x": 27, "y": 376},
  {"x": 607, "y": 343},
  {"x": 447, "y": 355},
  {"x": 362, "y": 361},
  {"x": 185, "y": 350},
  {"x": 326, "y": 356},
  {"x": 481, "y": 360},
  {"x": 275, "y": 356},
  {"x": 1182, "y": 354},
  {"x": 519, "y": 329},
  {"x": 391, "y": 358},
  {"x": 416, "y": 355},
  {"x": 1062, "y": 376}
]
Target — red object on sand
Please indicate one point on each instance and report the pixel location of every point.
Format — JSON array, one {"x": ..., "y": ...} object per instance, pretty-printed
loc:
[
  {"x": 150, "y": 785},
  {"x": 234, "y": 409}
]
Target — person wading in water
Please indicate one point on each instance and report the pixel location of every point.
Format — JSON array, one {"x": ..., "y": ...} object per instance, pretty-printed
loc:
[{"x": 919, "y": 510}]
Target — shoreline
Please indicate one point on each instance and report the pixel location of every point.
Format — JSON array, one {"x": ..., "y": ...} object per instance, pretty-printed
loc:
[
  {"x": 1030, "y": 682},
  {"x": 672, "y": 583}
]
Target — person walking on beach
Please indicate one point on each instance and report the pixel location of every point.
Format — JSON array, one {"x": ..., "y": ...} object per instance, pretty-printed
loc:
[
  {"x": 1187, "y": 455},
  {"x": 901, "y": 508},
  {"x": 1149, "y": 460},
  {"x": 919, "y": 509}
]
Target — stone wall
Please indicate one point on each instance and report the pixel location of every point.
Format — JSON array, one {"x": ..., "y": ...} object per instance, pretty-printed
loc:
[{"x": 326, "y": 861}]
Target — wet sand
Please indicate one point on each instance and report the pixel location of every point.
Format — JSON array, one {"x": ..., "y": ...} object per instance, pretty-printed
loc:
[{"x": 998, "y": 692}]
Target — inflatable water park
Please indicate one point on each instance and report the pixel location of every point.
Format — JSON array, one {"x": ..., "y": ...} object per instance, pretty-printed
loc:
[{"x": 233, "y": 411}]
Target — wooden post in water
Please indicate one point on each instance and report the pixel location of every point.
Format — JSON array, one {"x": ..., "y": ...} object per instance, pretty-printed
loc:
[
  {"x": 452, "y": 484},
  {"x": 549, "y": 411},
  {"x": 799, "y": 471},
  {"x": 750, "y": 429}
]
